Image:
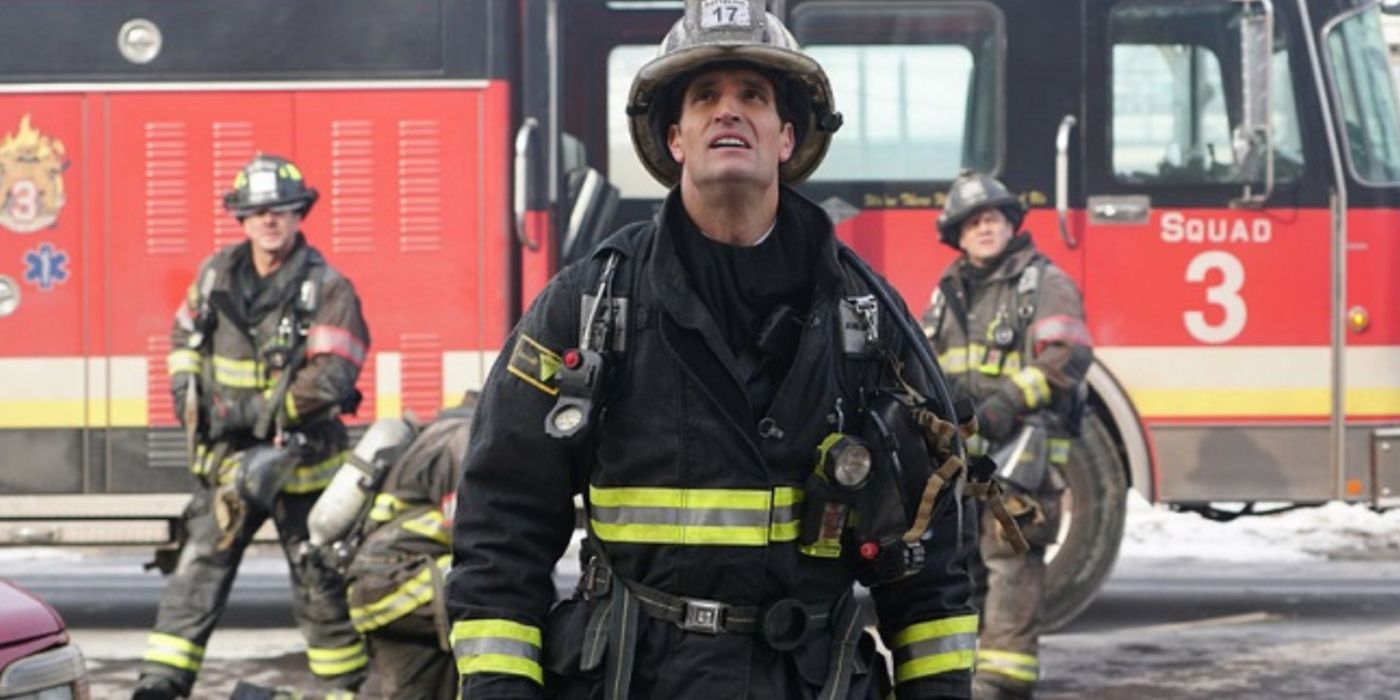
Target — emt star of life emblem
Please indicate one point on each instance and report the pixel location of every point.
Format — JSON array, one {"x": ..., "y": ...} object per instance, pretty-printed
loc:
[{"x": 31, "y": 179}]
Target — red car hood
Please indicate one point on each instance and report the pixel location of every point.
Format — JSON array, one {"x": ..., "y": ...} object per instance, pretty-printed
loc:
[{"x": 23, "y": 616}]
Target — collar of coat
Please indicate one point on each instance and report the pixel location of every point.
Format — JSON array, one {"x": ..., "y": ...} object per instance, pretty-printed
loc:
[{"x": 797, "y": 216}]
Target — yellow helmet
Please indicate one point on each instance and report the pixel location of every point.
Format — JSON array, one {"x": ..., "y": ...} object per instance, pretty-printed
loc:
[{"x": 716, "y": 32}]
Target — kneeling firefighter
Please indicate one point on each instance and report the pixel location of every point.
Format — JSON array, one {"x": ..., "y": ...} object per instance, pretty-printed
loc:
[
  {"x": 750, "y": 415},
  {"x": 386, "y": 521},
  {"x": 1009, "y": 329}
]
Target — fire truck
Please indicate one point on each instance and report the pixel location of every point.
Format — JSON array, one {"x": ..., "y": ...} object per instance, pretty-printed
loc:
[{"x": 1221, "y": 177}]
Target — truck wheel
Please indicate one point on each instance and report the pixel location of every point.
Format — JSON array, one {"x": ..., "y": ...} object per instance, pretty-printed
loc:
[{"x": 1094, "y": 507}]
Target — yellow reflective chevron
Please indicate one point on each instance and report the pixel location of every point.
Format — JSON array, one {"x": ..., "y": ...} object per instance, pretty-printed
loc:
[
  {"x": 173, "y": 651},
  {"x": 337, "y": 661},
  {"x": 497, "y": 646},
  {"x": 728, "y": 517},
  {"x": 1033, "y": 386},
  {"x": 1022, "y": 667},
  {"x": 938, "y": 646},
  {"x": 185, "y": 361},
  {"x": 308, "y": 478}
]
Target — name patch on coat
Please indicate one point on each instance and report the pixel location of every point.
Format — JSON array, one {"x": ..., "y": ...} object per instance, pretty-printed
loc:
[{"x": 534, "y": 364}]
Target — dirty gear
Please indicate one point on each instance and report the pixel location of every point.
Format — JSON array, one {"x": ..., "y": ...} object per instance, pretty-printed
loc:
[
  {"x": 396, "y": 578},
  {"x": 269, "y": 182},
  {"x": 743, "y": 33},
  {"x": 1012, "y": 340},
  {"x": 231, "y": 338},
  {"x": 969, "y": 193},
  {"x": 693, "y": 480}
]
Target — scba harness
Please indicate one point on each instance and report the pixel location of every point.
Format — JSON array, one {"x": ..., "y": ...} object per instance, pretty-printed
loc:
[{"x": 876, "y": 479}]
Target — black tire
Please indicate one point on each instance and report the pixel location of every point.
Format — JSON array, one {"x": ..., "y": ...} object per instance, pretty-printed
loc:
[{"x": 1094, "y": 507}]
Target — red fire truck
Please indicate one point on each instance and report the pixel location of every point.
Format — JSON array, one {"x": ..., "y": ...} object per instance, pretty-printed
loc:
[{"x": 1220, "y": 176}]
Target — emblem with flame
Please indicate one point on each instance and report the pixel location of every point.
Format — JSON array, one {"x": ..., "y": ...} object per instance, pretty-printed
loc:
[{"x": 31, "y": 179}]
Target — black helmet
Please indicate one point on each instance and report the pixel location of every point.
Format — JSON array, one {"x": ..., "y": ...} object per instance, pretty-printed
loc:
[
  {"x": 744, "y": 34},
  {"x": 269, "y": 182},
  {"x": 970, "y": 192}
]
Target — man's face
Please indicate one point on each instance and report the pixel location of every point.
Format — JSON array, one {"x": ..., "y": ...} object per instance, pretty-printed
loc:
[
  {"x": 729, "y": 130},
  {"x": 984, "y": 235},
  {"x": 273, "y": 231}
]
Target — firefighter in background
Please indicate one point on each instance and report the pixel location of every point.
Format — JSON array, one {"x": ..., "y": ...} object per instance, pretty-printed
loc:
[
  {"x": 403, "y": 548},
  {"x": 267, "y": 345},
  {"x": 708, "y": 381},
  {"x": 1008, "y": 326}
]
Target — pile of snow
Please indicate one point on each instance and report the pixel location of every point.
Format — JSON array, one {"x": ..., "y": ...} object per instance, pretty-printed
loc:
[{"x": 1332, "y": 531}]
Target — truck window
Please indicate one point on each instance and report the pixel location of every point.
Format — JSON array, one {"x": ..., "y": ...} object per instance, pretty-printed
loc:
[
  {"x": 625, "y": 170},
  {"x": 918, "y": 85},
  {"x": 1361, "y": 78},
  {"x": 1176, "y": 96}
]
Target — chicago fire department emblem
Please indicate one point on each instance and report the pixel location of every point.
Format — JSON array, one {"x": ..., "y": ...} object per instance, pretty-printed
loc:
[{"x": 31, "y": 179}]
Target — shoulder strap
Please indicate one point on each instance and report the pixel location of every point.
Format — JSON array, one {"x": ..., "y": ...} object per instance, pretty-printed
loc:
[{"x": 1028, "y": 293}]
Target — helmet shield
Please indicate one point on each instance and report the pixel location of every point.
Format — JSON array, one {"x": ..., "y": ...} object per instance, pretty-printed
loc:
[
  {"x": 716, "y": 33},
  {"x": 269, "y": 182},
  {"x": 969, "y": 193}
]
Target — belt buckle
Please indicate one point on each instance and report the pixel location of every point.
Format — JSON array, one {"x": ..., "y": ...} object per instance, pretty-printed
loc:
[
  {"x": 597, "y": 579},
  {"x": 703, "y": 616}
]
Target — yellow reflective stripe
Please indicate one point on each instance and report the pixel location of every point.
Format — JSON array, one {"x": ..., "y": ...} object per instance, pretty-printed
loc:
[
  {"x": 1059, "y": 450},
  {"x": 173, "y": 651},
  {"x": 1012, "y": 362},
  {"x": 386, "y": 507},
  {"x": 655, "y": 497},
  {"x": 314, "y": 477},
  {"x": 497, "y": 646},
  {"x": 415, "y": 592},
  {"x": 939, "y": 646},
  {"x": 183, "y": 360},
  {"x": 1033, "y": 385},
  {"x": 954, "y": 360},
  {"x": 1022, "y": 667},
  {"x": 239, "y": 374},
  {"x": 786, "y": 519},
  {"x": 292, "y": 414},
  {"x": 430, "y": 525},
  {"x": 336, "y": 661},
  {"x": 682, "y": 534}
]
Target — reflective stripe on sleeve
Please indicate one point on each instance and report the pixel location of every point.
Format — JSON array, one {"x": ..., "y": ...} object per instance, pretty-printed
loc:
[
  {"x": 497, "y": 646},
  {"x": 173, "y": 651},
  {"x": 1059, "y": 450},
  {"x": 931, "y": 648},
  {"x": 1059, "y": 329},
  {"x": 334, "y": 340},
  {"x": 183, "y": 361},
  {"x": 728, "y": 517},
  {"x": 1033, "y": 386},
  {"x": 1021, "y": 667},
  {"x": 337, "y": 661},
  {"x": 431, "y": 525}
]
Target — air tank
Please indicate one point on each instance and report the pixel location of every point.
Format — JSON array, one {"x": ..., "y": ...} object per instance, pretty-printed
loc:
[{"x": 343, "y": 502}]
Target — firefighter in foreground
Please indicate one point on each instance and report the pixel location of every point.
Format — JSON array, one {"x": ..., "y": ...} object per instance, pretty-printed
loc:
[
  {"x": 730, "y": 391},
  {"x": 267, "y": 345},
  {"x": 1009, "y": 329},
  {"x": 401, "y": 549}
]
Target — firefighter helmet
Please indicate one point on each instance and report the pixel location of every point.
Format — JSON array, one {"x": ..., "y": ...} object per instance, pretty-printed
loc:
[
  {"x": 717, "y": 32},
  {"x": 969, "y": 193},
  {"x": 269, "y": 182}
]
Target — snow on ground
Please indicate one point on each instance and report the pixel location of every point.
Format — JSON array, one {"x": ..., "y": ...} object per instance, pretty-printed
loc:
[{"x": 1332, "y": 531}]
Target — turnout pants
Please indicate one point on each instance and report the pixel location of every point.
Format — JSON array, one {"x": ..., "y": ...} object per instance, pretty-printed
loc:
[
  {"x": 1010, "y": 589},
  {"x": 411, "y": 667},
  {"x": 198, "y": 590}
]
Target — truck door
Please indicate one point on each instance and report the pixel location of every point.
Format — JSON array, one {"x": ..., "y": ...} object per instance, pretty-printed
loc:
[{"x": 1207, "y": 277}]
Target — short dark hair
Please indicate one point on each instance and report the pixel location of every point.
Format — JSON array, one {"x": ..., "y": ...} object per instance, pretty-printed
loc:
[{"x": 789, "y": 97}]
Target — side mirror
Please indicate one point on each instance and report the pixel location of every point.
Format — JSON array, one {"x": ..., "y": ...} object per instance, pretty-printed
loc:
[
  {"x": 1252, "y": 140},
  {"x": 592, "y": 204}
]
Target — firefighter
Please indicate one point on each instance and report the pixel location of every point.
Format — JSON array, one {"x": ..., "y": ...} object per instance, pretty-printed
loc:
[
  {"x": 396, "y": 575},
  {"x": 709, "y": 381},
  {"x": 1009, "y": 329},
  {"x": 267, "y": 346}
]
